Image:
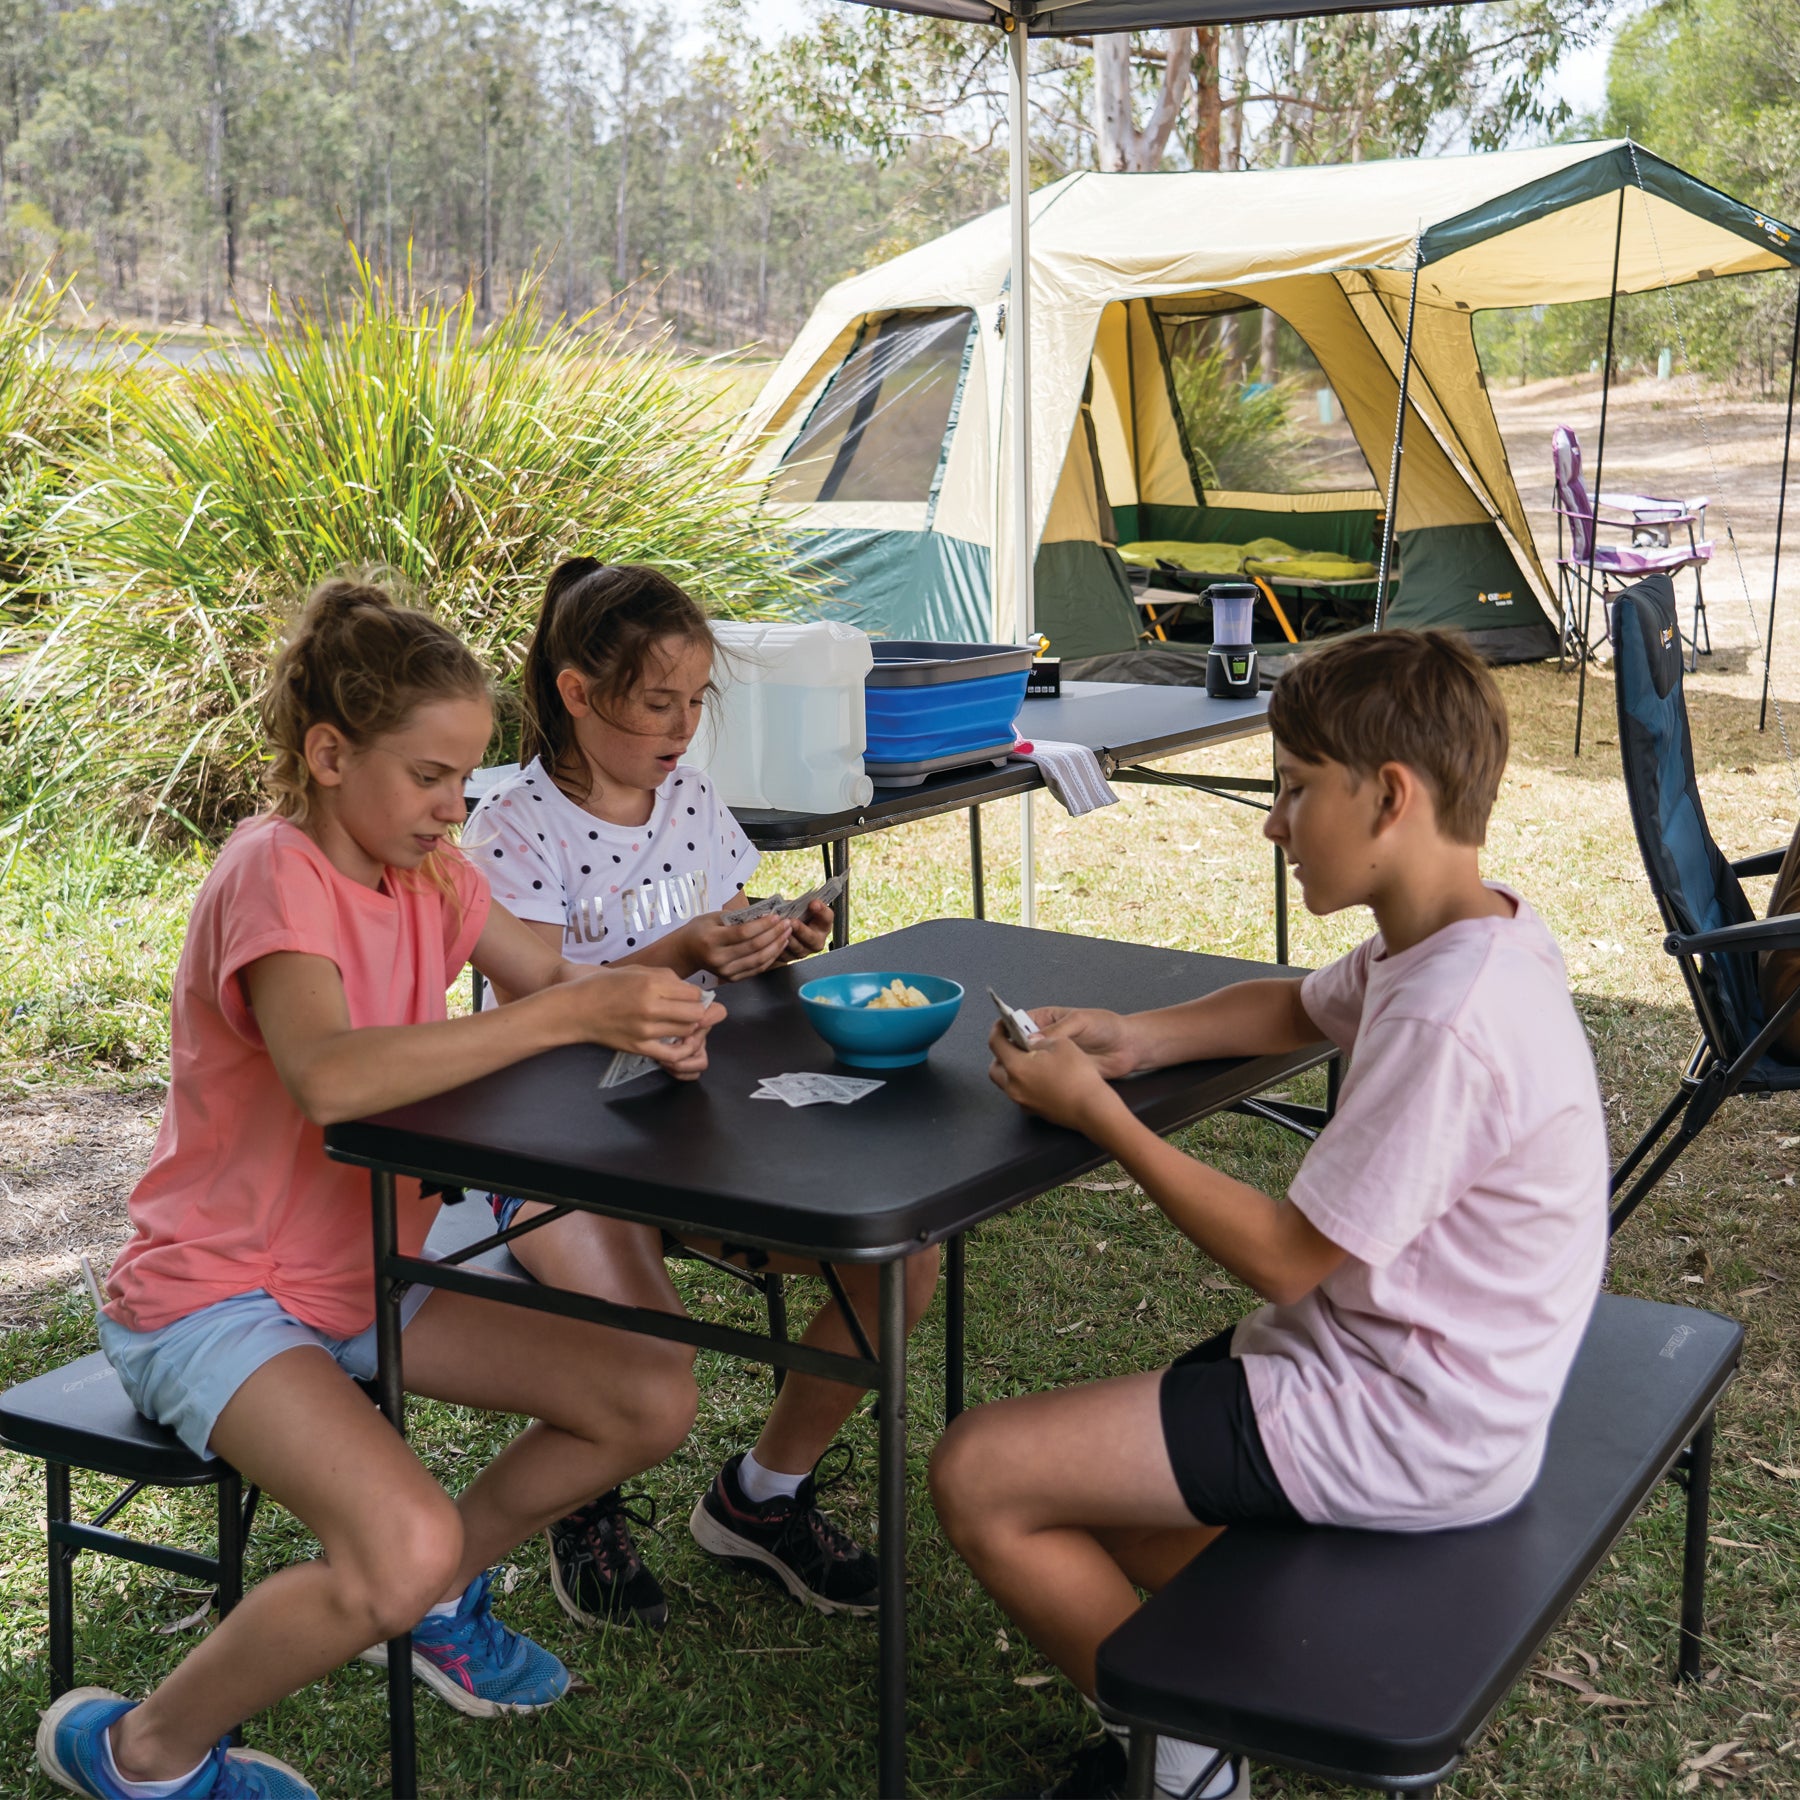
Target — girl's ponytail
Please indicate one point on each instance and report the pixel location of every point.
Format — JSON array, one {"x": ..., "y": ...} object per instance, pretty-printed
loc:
[
  {"x": 356, "y": 661},
  {"x": 604, "y": 621}
]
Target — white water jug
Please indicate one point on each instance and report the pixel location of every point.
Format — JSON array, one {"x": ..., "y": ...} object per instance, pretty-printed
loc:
[{"x": 784, "y": 728}]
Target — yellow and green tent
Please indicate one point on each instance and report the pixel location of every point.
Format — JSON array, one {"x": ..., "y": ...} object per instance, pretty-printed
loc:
[{"x": 881, "y": 434}]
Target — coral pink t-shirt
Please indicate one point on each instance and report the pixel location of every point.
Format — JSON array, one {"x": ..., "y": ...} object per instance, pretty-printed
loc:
[
  {"x": 1466, "y": 1176},
  {"x": 239, "y": 1194}
]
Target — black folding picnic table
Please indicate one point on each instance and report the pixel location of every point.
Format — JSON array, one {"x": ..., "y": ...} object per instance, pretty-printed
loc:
[
  {"x": 1128, "y": 725},
  {"x": 928, "y": 1155}
]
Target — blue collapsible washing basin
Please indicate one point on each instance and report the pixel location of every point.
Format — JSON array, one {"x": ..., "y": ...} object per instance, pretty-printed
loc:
[
  {"x": 931, "y": 706},
  {"x": 837, "y": 1008}
]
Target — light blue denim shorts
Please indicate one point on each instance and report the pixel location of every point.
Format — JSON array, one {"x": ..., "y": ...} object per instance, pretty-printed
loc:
[{"x": 183, "y": 1375}]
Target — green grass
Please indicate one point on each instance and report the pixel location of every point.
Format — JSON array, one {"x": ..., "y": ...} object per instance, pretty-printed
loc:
[{"x": 746, "y": 1694}]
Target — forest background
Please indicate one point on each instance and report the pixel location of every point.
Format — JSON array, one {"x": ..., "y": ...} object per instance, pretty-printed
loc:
[{"x": 186, "y": 160}]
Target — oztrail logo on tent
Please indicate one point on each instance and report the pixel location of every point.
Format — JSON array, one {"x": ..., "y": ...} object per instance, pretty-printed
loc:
[
  {"x": 1495, "y": 599},
  {"x": 1779, "y": 232}
]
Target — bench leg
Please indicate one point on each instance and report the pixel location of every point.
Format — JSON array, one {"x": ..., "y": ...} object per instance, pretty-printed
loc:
[
  {"x": 62, "y": 1583},
  {"x": 1698, "y": 1480},
  {"x": 1140, "y": 1768}
]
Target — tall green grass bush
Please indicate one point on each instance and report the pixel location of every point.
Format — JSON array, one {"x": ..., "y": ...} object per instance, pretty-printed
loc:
[
  {"x": 391, "y": 435},
  {"x": 45, "y": 411},
  {"x": 1242, "y": 437}
]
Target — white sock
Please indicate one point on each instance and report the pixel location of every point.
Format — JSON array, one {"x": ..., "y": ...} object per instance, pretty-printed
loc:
[
  {"x": 1178, "y": 1767},
  {"x": 444, "y": 1608},
  {"x": 148, "y": 1790},
  {"x": 760, "y": 1484}
]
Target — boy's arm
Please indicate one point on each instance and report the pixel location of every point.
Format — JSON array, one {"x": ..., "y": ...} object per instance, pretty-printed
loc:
[
  {"x": 1249, "y": 1018},
  {"x": 1270, "y": 1244}
]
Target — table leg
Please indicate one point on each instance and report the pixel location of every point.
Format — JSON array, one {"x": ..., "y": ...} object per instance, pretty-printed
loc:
[
  {"x": 977, "y": 875},
  {"x": 891, "y": 1503},
  {"x": 953, "y": 1326},
  {"x": 837, "y": 862},
  {"x": 391, "y": 1390},
  {"x": 1281, "y": 894}
]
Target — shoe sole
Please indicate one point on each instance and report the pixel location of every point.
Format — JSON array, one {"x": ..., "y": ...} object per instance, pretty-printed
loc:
[
  {"x": 52, "y": 1716},
  {"x": 721, "y": 1541},
  {"x": 453, "y": 1693},
  {"x": 652, "y": 1618},
  {"x": 52, "y": 1766}
]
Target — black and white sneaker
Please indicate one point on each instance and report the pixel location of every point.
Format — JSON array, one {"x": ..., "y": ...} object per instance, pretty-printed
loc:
[
  {"x": 1098, "y": 1773},
  {"x": 595, "y": 1568},
  {"x": 788, "y": 1539}
]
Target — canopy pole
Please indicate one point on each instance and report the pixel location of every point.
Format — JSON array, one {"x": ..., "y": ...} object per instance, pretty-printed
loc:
[
  {"x": 1787, "y": 439},
  {"x": 1018, "y": 375},
  {"x": 1582, "y": 650},
  {"x": 1393, "y": 492}
]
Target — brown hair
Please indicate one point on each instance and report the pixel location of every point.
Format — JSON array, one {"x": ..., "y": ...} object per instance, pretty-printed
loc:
[
  {"x": 1422, "y": 698},
  {"x": 603, "y": 620},
  {"x": 355, "y": 660}
]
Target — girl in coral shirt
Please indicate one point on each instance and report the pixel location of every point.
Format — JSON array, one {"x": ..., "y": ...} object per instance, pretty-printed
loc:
[{"x": 311, "y": 990}]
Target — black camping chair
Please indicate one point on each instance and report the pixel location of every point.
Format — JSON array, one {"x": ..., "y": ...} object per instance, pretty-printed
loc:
[{"x": 1713, "y": 933}]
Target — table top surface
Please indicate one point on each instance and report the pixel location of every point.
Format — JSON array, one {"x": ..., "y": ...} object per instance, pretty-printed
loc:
[
  {"x": 934, "y": 1150},
  {"x": 1120, "y": 721}
]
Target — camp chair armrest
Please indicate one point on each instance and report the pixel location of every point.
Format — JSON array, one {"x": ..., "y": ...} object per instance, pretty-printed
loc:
[
  {"x": 1781, "y": 933},
  {"x": 1764, "y": 862}
]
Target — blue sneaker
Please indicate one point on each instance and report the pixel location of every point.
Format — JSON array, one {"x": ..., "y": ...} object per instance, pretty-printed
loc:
[
  {"x": 477, "y": 1664},
  {"x": 71, "y": 1750}
]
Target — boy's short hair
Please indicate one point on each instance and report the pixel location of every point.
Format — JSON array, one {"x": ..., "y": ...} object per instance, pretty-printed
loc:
[{"x": 1422, "y": 698}]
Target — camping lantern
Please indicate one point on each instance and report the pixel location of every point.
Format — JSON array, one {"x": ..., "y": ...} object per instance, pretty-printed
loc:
[{"x": 1231, "y": 672}]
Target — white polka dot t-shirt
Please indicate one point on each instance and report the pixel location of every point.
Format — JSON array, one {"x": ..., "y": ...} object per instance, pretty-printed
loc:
[{"x": 612, "y": 888}]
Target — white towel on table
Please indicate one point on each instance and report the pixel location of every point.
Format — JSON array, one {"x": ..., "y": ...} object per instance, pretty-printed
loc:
[{"x": 1072, "y": 773}]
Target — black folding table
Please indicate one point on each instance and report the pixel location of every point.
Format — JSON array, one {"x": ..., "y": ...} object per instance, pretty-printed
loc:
[
  {"x": 920, "y": 1161},
  {"x": 1128, "y": 725}
]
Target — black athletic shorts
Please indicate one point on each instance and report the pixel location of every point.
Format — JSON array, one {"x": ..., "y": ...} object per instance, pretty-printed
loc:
[{"x": 1214, "y": 1445}]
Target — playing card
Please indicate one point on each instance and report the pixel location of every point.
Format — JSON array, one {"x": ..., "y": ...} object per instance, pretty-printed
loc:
[
  {"x": 827, "y": 891},
  {"x": 626, "y": 1066},
  {"x": 757, "y": 909},
  {"x": 808, "y": 1089},
  {"x": 1020, "y": 1026}
]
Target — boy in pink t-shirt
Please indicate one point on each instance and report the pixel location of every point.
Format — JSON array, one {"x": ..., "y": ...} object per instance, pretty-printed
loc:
[{"x": 1433, "y": 1265}]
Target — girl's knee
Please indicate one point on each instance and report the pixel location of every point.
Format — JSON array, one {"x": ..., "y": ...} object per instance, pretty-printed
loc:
[
  {"x": 394, "y": 1580},
  {"x": 651, "y": 1400},
  {"x": 956, "y": 1470}
]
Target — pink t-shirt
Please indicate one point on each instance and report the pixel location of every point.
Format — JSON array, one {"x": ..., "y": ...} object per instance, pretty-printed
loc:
[
  {"x": 1466, "y": 1176},
  {"x": 239, "y": 1193}
]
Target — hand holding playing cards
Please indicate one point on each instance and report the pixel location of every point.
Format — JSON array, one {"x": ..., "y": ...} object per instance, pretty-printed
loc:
[
  {"x": 812, "y": 932},
  {"x": 1055, "y": 1079},
  {"x": 733, "y": 952},
  {"x": 651, "y": 1012},
  {"x": 1108, "y": 1037}
]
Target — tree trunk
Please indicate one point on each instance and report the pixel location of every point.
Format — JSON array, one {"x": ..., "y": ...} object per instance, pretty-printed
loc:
[
  {"x": 1207, "y": 116},
  {"x": 621, "y": 209},
  {"x": 1122, "y": 144},
  {"x": 487, "y": 215}
]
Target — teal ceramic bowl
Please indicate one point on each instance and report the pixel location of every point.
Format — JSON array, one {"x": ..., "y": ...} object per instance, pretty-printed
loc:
[{"x": 836, "y": 1007}]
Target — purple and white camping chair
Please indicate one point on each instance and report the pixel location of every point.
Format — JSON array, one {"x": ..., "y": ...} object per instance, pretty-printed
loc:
[{"x": 1652, "y": 520}]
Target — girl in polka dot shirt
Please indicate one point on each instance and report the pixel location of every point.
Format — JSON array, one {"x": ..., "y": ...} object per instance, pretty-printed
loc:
[{"x": 613, "y": 850}]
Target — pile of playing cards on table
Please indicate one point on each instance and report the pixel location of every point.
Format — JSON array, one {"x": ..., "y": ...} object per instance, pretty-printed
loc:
[
  {"x": 783, "y": 908},
  {"x": 810, "y": 1090}
]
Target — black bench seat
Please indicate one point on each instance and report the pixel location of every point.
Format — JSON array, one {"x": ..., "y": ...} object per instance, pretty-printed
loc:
[{"x": 1377, "y": 1658}]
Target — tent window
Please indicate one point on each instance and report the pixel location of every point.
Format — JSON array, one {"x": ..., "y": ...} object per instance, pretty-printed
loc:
[
  {"x": 1259, "y": 413},
  {"x": 878, "y": 431}
]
